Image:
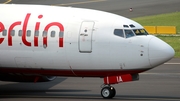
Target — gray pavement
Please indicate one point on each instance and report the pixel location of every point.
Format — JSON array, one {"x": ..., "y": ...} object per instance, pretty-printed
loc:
[
  {"x": 159, "y": 84},
  {"x": 121, "y": 7}
]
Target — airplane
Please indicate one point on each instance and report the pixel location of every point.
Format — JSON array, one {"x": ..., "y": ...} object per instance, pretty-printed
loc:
[{"x": 40, "y": 42}]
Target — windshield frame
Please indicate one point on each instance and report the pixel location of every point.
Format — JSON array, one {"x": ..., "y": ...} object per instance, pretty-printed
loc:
[{"x": 131, "y": 32}]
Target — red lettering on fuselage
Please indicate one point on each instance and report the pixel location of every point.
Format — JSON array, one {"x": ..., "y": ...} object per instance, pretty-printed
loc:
[
  {"x": 24, "y": 30},
  {"x": 9, "y": 32},
  {"x": 61, "y": 28},
  {"x": 1, "y": 29},
  {"x": 36, "y": 28}
]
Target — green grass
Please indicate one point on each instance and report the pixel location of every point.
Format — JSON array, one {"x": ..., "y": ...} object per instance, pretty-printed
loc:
[{"x": 171, "y": 19}]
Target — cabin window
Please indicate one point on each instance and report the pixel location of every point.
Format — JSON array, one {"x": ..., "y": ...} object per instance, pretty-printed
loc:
[
  {"x": 129, "y": 33},
  {"x": 20, "y": 33},
  {"x": 61, "y": 34},
  {"x": 4, "y": 33},
  {"x": 53, "y": 33},
  {"x": 36, "y": 34},
  {"x": 119, "y": 32},
  {"x": 140, "y": 32},
  {"x": 12, "y": 32},
  {"x": 28, "y": 34},
  {"x": 44, "y": 33}
]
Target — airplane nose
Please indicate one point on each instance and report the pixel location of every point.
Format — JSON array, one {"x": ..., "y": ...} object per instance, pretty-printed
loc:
[{"x": 159, "y": 52}]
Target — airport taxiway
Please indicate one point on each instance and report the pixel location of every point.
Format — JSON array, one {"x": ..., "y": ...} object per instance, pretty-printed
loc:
[
  {"x": 121, "y": 7},
  {"x": 159, "y": 84}
]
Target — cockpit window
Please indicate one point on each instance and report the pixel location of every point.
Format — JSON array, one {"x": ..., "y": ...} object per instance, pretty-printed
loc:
[
  {"x": 125, "y": 26},
  {"x": 131, "y": 25},
  {"x": 119, "y": 32},
  {"x": 129, "y": 33},
  {"x": 140, "y": 32}
]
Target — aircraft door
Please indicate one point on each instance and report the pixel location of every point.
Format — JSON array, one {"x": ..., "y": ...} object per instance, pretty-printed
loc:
[{"x": 85, "y": 37}]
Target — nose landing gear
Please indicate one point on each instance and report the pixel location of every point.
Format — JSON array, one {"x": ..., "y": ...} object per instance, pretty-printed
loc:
[{"x": 108, "y": 92}]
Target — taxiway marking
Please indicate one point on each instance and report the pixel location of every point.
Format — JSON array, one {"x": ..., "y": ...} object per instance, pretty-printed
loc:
[
  {"x": 7, "y": 1},
  {"x": 172, "y": 63},
  {"x": 83, "y": 2}
]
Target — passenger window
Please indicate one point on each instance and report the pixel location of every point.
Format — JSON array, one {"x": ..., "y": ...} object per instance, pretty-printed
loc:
[
  {"x": 28, "y": 34},
  {"x": 53, "y": 33},
  {"x": 12, "y": 32},
  {"x": 129, "y": 33},
  {"x": 119, "y": 32},
  {"x": 44, "y": 33},
  {"x": 4, "y": 33},
  {"x": 20, "y": 33},
  {"x": 61, "y": 34},
  {"x": 36, "y": 34}
]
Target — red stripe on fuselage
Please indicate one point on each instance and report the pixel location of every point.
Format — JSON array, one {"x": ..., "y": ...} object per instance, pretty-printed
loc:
[{"x": 68, "y": 72}]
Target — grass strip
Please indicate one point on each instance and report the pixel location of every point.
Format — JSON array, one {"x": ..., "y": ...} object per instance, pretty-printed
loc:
[{"x": 170, "y": 19}]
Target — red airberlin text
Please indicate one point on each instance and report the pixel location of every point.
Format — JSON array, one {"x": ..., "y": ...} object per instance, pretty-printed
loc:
[{"x": 36, "y": 28}]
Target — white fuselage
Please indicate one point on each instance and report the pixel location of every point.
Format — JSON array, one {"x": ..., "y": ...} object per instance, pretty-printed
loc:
[{"x": 67, "y": 41}]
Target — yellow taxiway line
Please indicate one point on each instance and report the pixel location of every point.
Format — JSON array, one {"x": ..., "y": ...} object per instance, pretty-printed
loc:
[
  {"x": 7, "y": 1},
  {"x": 75, "y": 3}
]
